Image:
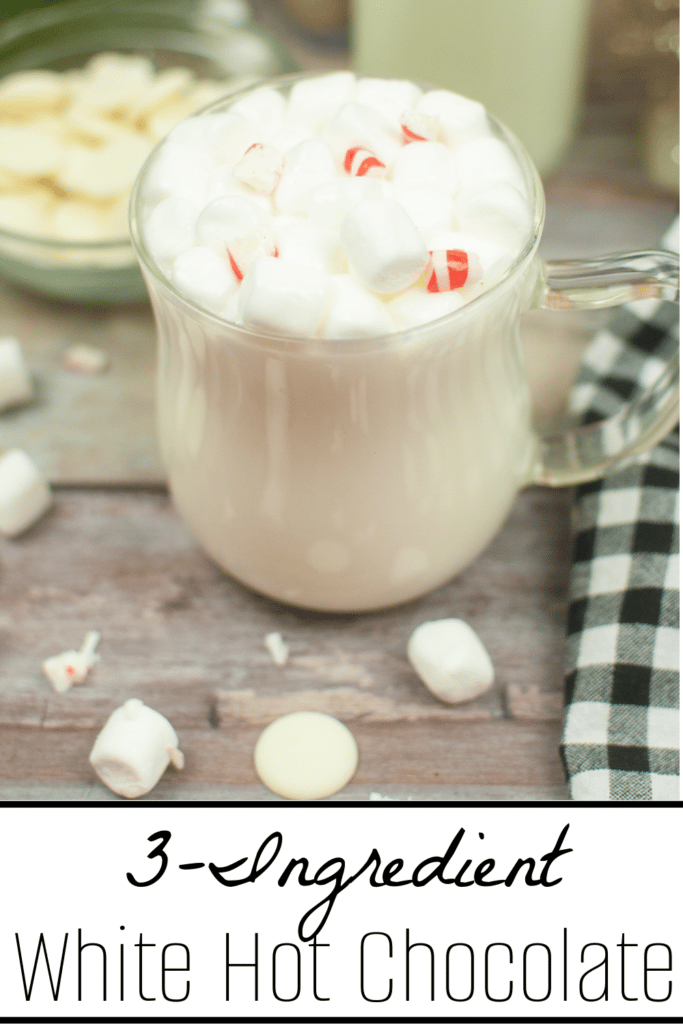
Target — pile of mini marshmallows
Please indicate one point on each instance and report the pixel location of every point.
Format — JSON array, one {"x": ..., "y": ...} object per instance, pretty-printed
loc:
[
  {"x": 348, "y": 208},
  {"x": 71, "y": 143}
]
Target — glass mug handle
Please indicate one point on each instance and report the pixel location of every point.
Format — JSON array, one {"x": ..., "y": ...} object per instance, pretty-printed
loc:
[{"x": 585, "y": 453}]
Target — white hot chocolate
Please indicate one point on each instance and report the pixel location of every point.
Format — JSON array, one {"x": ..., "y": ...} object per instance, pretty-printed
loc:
[{"x": 337, "y": 268}]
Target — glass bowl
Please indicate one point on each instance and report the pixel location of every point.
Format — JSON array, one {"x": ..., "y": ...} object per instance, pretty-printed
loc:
[{"x": 199, "y": 36}]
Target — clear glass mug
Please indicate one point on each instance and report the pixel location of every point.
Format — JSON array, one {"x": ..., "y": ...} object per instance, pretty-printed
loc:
[{"x": 358, "y": 474}]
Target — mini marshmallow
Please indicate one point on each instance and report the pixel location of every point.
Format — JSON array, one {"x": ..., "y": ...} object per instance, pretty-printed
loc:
[
  {"x": 460, "y": 118},
  {"x": 498, "y": 212},
  {"x": 30, "y": 152},
  {"x": 485, "y": 161},
  {"x": 451, "y": 660},
  {"x": 25, "y": 93},
  {"x": 415, "y": 306},
  {"x": 222, "y": 182},
  {"x": 354, "y": 312},
  {"x": 237, "y": 228},
  {"x": 358, "y": 125},
  {"x": 262, "y": 106},
  {"x": 417, "y": 127},
  {"x": 85, "y": 359},
  {"x": 430, "y": 209},
  {"x": 383, "y": 246},
  {"x": 426, "y": 165},
  {"x": 15, "y": 380},
  {"x": 24, "y": 493},
  {"x": 282, "y": 297},
  {"x": 203, "y": 276},
  {"x": 277, "y": 648},
  {"x": 71, "y": 667},
  {"x": 389, "y": 97},
  {"x": 260, "y": 167},
  {"x": 312, "y": 102},
  {"x": 300, "y": 241},
  {"x": 360, "y": 162},
  {"x": 170, "y": 229},
  {"x": 307, "y": 165},
  {"x": 134, "y": 749},
  {"x": 224, "y": 137},
  {"x": 113, "y": 81},
  {"x": 329, "y": 203},
  {"x": 180, "y": 171}
]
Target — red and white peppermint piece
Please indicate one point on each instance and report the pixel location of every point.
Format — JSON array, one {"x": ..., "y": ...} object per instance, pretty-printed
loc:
[
  {"x": 360, "y": 163},
  {"x": 418, "y": 127},
  {"x": 260, "y": 167},
  {"x": 244, "y": 250},
  {"x": 451, "y": 269}
]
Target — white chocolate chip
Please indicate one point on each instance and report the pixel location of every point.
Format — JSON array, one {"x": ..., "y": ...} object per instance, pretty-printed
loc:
[
  {"x": 134, "y": 749},
  {"x": 451, "y": 660},
  {"x": 306, "y": 755}
]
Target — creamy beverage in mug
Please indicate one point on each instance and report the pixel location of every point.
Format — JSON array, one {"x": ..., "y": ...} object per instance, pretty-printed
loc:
[{"x": 344, "y": 411}]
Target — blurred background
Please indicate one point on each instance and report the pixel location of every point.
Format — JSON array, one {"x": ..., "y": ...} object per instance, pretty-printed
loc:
[{"x": 590, "y": 86}]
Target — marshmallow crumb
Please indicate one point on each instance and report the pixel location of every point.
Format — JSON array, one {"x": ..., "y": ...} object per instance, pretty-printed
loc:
[
  {"x": 71, "y": 667},
  {"x": 85, "y": 359},
  {"x": 277, "y": 648}
]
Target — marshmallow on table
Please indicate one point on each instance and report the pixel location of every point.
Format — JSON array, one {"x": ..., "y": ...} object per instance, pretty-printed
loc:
[
  {"x": 134, "y": 749},
  {"x": 24, "y": 493},
  {"x": 451, "y": 660},
  {"x": 282, "y": 297},
  {"x": 383, "y": 246},
  {"x": 204, "y": 276},
  {"x": 353, "y": 311},
  {"x": 497, "y": 211},
  {"x": 307, "y": 165},
  {"x": 15, "y": 380},
  {"x": 71, "y": 667},
  {"x": 85, "y": 359}
]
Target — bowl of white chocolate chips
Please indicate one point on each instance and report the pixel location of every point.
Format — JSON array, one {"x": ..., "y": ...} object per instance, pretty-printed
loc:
[{"x": 87, "y": 89}]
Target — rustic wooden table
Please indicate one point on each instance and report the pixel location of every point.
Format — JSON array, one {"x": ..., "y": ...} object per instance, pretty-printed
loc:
[{"x": 113, "y": 555}]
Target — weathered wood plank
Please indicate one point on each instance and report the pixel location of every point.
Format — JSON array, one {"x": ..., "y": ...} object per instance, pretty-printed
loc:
[{"x": 180, "y": 634}]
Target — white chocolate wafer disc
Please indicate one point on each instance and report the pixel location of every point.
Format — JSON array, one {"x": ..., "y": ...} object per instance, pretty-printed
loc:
[{"x": 305, "y": 756}]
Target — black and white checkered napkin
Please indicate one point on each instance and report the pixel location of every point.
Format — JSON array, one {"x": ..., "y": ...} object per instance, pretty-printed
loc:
[{"x": 621, "y": 723}]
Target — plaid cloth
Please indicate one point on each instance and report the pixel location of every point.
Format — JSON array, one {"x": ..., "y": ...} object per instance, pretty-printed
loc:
[{"x": 621, "y": 723}]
